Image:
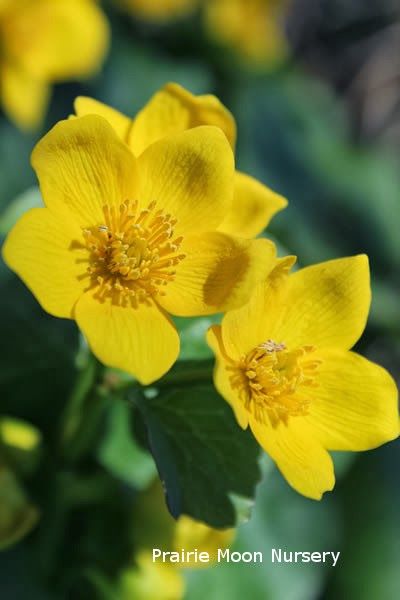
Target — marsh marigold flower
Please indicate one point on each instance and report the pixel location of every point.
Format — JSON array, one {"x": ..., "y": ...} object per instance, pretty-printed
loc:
[
  {"x": 284, "y": 365},
  {"x": 149, "y": 580},
  {"x": 158, "y": 580},
  {"x": 17, "y": 515},
  {"x": 253, "y": 28},
  {"x": 191, "y": 535},
  {"x": 123, "y": 241},
  {"x": 174, "y": 110},
  {"x": 43, "y": 42},
  {"x": 146, "y": 579}
]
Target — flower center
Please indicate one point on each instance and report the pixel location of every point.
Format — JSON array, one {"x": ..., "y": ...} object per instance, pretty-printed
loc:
[
  {"x": 272, "y": 381},
  {"x": 132, "y": 254}
]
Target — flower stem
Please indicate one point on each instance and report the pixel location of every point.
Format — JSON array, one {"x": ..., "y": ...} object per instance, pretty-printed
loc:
[{"x": 76, "y": 421}]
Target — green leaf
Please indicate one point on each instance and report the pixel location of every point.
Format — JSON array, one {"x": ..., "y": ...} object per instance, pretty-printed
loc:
[
  {"x": 281, "y": 519},
  {"x": 119, "y": 452},
  {"x": 37, "y": 358},
  {"x": 206, "y": 462},
  {"x": 369, "y": 566}
]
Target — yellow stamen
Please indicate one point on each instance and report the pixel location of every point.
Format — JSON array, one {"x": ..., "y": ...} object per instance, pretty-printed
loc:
[
  {"x": 272, "y": 380},
  {"x": 131, "y": 253}
]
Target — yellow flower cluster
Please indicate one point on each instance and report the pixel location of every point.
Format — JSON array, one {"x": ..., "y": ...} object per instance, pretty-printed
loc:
[
  {"x": 163, "y": 579},
  {"x": 147, "y": 218},
  {"x": 141, "y": 221},
  {"x": 43, "y": 42}
]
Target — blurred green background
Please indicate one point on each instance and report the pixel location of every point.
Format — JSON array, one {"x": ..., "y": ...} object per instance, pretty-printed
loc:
[{"x": 322, "y": 127}]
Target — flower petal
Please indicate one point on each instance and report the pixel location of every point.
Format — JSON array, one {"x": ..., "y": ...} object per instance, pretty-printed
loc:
[
  {"x": 248, "y": 326},
  {"x": 173, "y": 110},
  {"x": 221, "y": 376},
  {"x": 301, "y": 459},
  {"x": 325, "y": 305},
  {"x": 82, "y": 166},
  {"x": 218, "y": 272},
  {"x": 253, "y": 28},
  {"x": 190, "y": 175},
  {"x": 23, "y": 97},
  {"x": 141, "y": 341},
  {"x": 253, "y": 207},
  {"x": 355, "y": 406},
  {"x": 119, "y": 122},
  {"x": 57, "y": 40},
  {"x": 38, "y": 249}
]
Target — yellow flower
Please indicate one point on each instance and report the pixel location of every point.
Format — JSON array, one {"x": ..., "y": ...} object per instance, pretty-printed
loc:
[
  {"x": 19, "y": 434},
  {"x": 20, "y": 442},
  {"x": 123, "y": 241},
  {"x": 43, "y": 42},
  {"x": 193, "y": 535},
  {"x": 151, "y": 580},
  {"x": 174, "y": 110},
  {"x": 254, "y": 28},
  {"x": 158, "y": 580},
  {"x": 148, "y": 580},
  {"x": 158, "y": 10},
  {"x": 283, "y": 364}
]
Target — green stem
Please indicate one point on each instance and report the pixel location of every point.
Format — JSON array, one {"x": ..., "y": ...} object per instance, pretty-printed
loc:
[{"x": 75, "y": 420}]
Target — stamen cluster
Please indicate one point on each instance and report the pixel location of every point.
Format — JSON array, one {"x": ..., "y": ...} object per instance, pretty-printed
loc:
[
  {"x": 271, "y": 379},
  {"x": 132, "y": 254}
]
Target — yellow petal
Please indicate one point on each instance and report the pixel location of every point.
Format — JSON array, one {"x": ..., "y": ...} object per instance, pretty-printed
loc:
[
  {"x": 173, "y": 110},
  {"x": 218, "y": 272},
  {"x": 248, "y": 326},
  {"x": 23, "y": 97},
  {"x": 5, "y": 5},
  {"x": 193, "y": 535},
  {"x": 221, "y": 375},
  {"x": 82, "y": 166},
  {"x": 355, "y": 406},
  {"x": 56, "y": 40},
  {"x": 299, "y": 456},
  {"x": 151, "y": 580},
  {"x": 253, "y": 28},
  {"x": 253, "y": 207},
  {"x": 189, "y": 175},
  {"x": 325, "y": 305},
  {"x": 38, "y": 249},
  {"x": 19, "y": 434},
  {"x": 141, "y": 341},
  {"x": 119, "y": 122}
]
